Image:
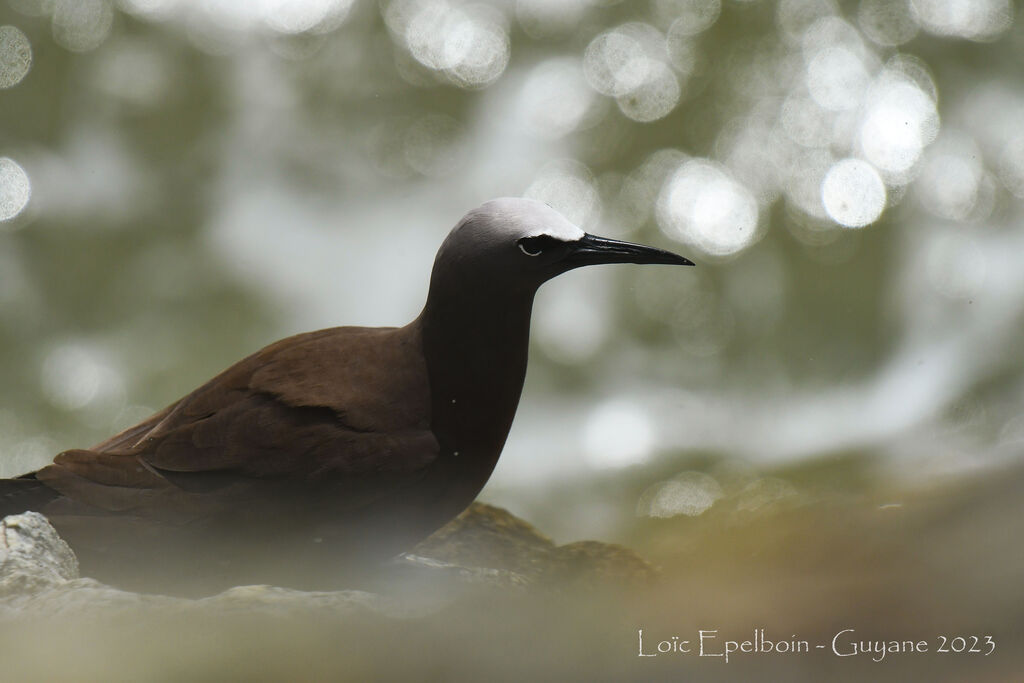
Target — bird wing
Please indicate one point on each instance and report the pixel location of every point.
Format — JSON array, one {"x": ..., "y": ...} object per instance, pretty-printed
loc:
[{"x": 344, "y": 409}]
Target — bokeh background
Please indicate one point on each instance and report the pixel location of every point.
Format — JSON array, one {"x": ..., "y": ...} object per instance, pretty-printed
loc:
[{"x": 184, "y": 181}]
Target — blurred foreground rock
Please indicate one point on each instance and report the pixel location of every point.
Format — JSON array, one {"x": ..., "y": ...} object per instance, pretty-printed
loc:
[
  {"x": 484, "y": 548},
  {"x": 488, "y": 536}
]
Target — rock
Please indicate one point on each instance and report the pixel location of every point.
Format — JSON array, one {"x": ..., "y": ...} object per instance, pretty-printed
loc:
[
  {"x": 39, "y": 572},
  {"x": 427, "y": 570},
  {"x": 78, "y": 595},
  {"x": 33, "y": 557},
  {"x": 488, "y": 536},
  {"x": 485, "y": 548},
  {"x": 285, "y": 601},
  {"x": 590, "y": 563}
]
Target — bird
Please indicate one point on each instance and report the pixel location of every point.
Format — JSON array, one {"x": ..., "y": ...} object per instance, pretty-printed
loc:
[{"x": 327, "y": 450}]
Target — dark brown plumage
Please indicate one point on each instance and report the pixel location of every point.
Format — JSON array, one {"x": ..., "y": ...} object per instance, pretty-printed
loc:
[{"x": 327, "y": 451}]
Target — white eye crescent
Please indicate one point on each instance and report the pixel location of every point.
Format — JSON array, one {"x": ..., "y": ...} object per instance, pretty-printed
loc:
[{"x": 534, "y": 246}]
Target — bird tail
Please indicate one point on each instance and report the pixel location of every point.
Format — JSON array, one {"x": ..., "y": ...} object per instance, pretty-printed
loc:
[{"x": 23, "y": 494}]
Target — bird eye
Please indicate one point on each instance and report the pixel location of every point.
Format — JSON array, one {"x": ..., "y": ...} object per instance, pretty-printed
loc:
[{"x": 533, "y": 246}]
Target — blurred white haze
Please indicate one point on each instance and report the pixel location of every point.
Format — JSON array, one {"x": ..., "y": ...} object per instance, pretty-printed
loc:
[{"x": 851, "y": 185}]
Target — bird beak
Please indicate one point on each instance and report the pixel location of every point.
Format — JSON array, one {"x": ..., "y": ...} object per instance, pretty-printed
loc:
[{"x": 591, "y": 250}]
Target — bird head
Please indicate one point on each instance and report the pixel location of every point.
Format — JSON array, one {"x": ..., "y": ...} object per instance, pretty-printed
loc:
[{"x": 525, "y": 243}]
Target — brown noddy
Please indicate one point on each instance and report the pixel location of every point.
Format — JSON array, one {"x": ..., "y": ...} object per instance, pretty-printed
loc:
[{"x": 329, "y": 449}]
